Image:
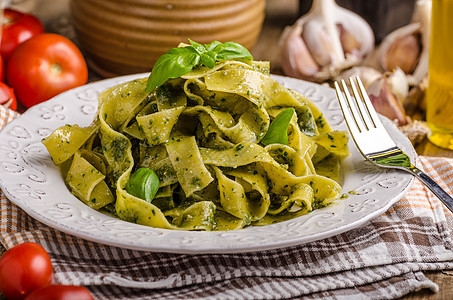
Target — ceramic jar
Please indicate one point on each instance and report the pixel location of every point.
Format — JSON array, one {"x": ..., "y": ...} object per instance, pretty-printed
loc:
[{"x": 127, "y": 36}]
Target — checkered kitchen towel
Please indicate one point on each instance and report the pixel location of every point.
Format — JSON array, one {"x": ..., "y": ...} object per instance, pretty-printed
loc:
[{"x": 384, "y": 259}]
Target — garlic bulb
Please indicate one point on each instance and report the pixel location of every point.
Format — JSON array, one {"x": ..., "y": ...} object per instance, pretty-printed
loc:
[
  {"x": 325, "y": 41},
  {"x": 408, "y": 47}
]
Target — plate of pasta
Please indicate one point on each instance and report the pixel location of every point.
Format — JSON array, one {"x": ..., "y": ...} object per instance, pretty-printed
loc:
[{"x": 220, "y": 160}]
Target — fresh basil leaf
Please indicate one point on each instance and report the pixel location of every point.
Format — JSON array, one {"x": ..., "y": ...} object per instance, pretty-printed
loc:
[
  {"x": 231, "y": 50},
  {"x": 208, "y": 59},
  {"x": 180, "y": 61},
  {"x": 143, "y": 184},
  {"x": 173, "y": 64},
  {"x": 212, "y": 45},
  {"x": 198, "y": 47},
  {"x": 278, "y": 129}
]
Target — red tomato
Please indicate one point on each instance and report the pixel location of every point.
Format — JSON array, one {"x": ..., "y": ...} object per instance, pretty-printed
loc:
[
  {"x": 17, "y": 28},
  {"x": 23, "y": 269},
  {"x": 7, "y": 97},
  {"x": 61, "y": 292},
  {"x": 2, "y": 70},
  {"x": 43, "y": 67}
]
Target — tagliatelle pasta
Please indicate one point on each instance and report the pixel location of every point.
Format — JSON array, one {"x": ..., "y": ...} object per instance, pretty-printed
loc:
[{"x": 201, "y": 134}]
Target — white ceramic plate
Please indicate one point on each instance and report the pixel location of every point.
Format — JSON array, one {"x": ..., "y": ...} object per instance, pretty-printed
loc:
[{"x": 29, "y": 179}]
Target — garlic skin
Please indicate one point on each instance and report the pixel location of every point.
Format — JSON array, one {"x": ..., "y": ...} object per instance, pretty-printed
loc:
[
  {"x": 416, "y": 131},
  {"x": 423, "y": 15},
  {"x": 415, "y": 102},
  {"x": 398, "y": 84},
  {"x": 335, "y": 39},
  {"x": 367, "y": 75},
  {"x": 408, "y": 47}
]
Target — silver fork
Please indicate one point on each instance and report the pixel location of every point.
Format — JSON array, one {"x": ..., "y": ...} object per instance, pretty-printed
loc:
[{"x": 372, "y": 138}]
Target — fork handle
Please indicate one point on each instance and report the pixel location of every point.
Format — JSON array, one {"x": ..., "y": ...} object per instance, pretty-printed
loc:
[{"x": 446, "y": 199}]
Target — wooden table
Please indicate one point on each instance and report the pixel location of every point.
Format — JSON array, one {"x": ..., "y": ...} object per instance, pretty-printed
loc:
[{"x": 281, "y": 13}]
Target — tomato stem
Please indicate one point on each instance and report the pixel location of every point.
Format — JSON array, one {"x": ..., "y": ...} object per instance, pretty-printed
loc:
[
  {"x": 56, "y": 68},
  {"x": 8, "y": 20}
]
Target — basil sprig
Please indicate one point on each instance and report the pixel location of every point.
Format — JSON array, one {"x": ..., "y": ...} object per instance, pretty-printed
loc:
[
  {"x": 180, "y": 61},
  {"x": 278, "y": 129},
  {"x": 143, "y": 184}
]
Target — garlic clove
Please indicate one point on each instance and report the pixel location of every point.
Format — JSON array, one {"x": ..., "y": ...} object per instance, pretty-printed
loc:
[
  {"x": 318, "y": 42},
  {"x": 401, "y": 48},
  {"x": 385, "y": 102},
  {"x": 358, "y": 28},
  {"x": 298, "y": 62},
  {"x": 403, "y": 53},
  {"x": 349, "y": 43},
  {"x": 336, "y": 39}
]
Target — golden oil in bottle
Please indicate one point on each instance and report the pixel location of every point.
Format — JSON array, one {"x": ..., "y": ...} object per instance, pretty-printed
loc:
[{"x": 439, "y": 97}]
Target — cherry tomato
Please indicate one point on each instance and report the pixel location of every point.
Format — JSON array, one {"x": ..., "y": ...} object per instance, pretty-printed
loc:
[
  {"x": 7, "y": 97},
  {"x": 61, "y": 292},
  {"x": 23, "y": 269},
  {"x": 17, "y": 28},
  {"x": 43, "y": 67}
]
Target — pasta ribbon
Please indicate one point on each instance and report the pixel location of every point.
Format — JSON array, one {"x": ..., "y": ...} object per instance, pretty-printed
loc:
[
  {"x": 87, "y": 183},
  {"x": 158, "y": 126},
  {"x": 66, "y": 140},
  {"x": 186, "y": 159}
]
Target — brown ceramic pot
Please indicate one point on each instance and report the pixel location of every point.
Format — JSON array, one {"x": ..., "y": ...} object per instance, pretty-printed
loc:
[{"x": 127, "y": 36}]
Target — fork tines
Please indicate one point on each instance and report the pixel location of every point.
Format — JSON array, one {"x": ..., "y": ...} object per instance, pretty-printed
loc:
[
  {"x": 369, "y": 134},
  {"x": 359, "y": 108}
]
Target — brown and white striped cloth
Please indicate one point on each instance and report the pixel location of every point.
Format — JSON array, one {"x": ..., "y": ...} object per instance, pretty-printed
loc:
[{"x": 384, "y": 259}]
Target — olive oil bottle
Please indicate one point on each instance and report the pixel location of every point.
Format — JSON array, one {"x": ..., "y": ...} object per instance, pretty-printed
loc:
[{"x": 439, "y": 97}]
